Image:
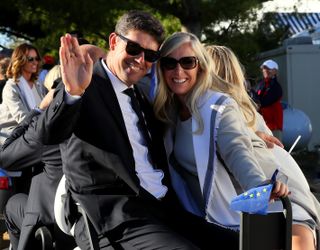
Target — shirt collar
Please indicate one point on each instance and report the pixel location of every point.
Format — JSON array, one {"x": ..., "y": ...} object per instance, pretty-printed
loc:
[{"x": 117, "y": 84}]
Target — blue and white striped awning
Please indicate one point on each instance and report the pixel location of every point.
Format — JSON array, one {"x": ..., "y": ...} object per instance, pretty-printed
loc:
[{"x": 297, "y": 22}]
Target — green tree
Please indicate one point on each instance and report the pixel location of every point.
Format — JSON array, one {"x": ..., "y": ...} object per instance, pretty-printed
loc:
[
  {"x": 43, "y": 22},
  {"x": 247, "y": 37},
  {"x": 196, "y": 15},
  {"x": 34, "y": 19},
  {"x": 225, "y": 22}
]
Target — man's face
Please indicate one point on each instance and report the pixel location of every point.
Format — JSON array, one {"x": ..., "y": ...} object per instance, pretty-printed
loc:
[{"x": 130, "y": 68}]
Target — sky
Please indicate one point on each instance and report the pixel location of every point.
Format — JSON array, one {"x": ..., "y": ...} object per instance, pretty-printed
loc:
[{"x": 288, "y": 5}]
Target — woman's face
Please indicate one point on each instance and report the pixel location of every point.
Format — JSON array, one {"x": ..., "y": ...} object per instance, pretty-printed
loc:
[
  {"x": 32, "y": 62},
  {"x": 181, "y": 78}
]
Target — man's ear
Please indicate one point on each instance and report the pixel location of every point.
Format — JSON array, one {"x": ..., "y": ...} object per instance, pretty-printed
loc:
[{"x": 112, "y": 40}]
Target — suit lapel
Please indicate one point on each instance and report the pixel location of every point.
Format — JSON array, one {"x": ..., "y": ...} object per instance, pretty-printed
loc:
[
  {"x": 104, "y": 89},
  {"x": 110, "y": 100},
  {"x": 22, "y": 96},
  {"x": 108, "y": 95}
]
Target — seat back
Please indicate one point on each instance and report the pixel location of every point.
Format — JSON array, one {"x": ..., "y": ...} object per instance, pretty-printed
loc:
[
  {"x": 59, "y": 213},
  {"x": 59, "y": 206},
  {"x": 265, "y": 232}
]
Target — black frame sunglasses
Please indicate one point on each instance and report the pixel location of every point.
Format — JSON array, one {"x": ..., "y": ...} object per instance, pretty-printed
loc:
[
  {"x": 134, "y": 49},
  {"x": 32, "y": 59},
  {"x": 187, "y": 62}
]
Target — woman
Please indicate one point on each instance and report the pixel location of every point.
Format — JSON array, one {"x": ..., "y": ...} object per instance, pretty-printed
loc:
[
  {"x": 306, "y": 208},
  {"x": 204, "y": 123},
  {"x": 22, "y": 92}
]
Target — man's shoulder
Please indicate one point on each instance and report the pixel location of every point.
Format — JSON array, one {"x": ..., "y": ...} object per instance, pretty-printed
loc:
[{"x": 99, "y": 71}]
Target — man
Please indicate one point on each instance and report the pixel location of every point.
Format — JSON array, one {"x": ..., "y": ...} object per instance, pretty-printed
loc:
[
  {"x": 269, "y": 94},
  {"x": 114, "y": 160}
]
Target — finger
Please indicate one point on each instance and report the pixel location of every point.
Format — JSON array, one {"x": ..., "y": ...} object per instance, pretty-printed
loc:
[
  {"x": 68, "y": 39},
  {"x": 63, "y": 60},
  {"x": 269, "y": 144},
  {"x": 89, "y": 64},
  {"x": 276, "y": 141},
  {"x": 283, "y": 190},
  {"x": 76, "y": 49},
  {"x": 65, "y": 44},
  {"x": 62, "y": 53},
  {"x": 280, "y": 189},
  {"x": 276, "y": 187},
  {"x": 88, "y": 61}
]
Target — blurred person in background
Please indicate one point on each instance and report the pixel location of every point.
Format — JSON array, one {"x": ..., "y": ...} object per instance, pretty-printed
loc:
[
  {"x": 48, "y": 63},
  {"x": 4, "y": 63},
  {"x": 22, "y": 92},
  {"x": 269, "y": 93}
]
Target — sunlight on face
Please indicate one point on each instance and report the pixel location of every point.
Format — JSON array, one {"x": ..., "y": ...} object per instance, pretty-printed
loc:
[{"x": 181, "y": 80}]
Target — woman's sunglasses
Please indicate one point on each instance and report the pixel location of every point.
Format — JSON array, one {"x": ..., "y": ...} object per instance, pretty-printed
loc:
[
  {"x": 32, "y": 59},
  {"x": 169, "y": 63},
  {"x": 134, "y": 49}
]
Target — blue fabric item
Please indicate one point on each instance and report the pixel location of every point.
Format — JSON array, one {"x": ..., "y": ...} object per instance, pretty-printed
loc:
[
  {"x": 255, "y": 200},
  {"x": 4, "y": 174}
]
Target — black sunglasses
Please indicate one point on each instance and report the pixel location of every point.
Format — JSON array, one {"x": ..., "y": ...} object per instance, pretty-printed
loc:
[
  {"x": 32, "y": 59},
  {"x": 169, "y": 63},
  {"x": 134, "y": 49}
]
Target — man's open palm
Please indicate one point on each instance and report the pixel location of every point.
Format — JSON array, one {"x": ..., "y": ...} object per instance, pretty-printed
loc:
[{"x": 76, "y": 68}]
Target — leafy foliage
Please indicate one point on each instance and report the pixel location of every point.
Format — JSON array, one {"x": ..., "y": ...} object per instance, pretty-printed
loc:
[{"x": 226, "y": 22}]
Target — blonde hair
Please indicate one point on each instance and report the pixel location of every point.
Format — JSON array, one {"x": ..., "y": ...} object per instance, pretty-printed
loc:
[
  {"x": 19, "y": 59},
  {"x": 227, "y": 66},
  {"x": 165, "y": 105},
  {"x": 51, "y": 76}
]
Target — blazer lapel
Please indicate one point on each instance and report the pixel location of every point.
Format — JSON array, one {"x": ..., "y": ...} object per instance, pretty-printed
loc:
[
  {"x": 22, "y": 96},
  {"x": 108, "y": 95}
]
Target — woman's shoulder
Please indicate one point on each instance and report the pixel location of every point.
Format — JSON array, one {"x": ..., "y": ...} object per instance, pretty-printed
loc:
[
  {"x": 214, "y": 97},
  {"x": 218, "y": 102},
  {"x": 10, "y": 82},
  {"x": 10, "y": 86}
]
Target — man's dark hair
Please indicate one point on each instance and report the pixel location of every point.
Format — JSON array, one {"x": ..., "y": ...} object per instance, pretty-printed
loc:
[{"x": 142, "y": 21}]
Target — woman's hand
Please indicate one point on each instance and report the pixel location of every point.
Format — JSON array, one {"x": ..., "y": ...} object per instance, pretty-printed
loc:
[
  {"x": 279, "y": 190},
  {"x": 269, "y": 139}
]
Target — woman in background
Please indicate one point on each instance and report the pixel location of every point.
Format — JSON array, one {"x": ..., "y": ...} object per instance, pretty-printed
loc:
[{"x": 22, "y": 92}]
